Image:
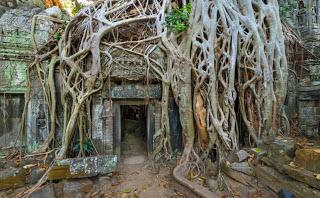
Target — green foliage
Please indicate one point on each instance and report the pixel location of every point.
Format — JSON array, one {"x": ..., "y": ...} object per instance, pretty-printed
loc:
[
  {"x": 71, "y": 7},
  {"x": 287, "y": 8},
  {"x": 76, "y": 9},
  {"x": 178, "y": 19},
  {"x": 58, "y": 34},
  {"x": 257, "y": 150},
  {"x": 87, "y": 147}
]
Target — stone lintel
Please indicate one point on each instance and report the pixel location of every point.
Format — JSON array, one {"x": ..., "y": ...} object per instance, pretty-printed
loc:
[{"x": 134, "y": 91}]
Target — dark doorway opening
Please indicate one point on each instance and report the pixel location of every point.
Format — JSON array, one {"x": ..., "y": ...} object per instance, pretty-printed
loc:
[{"x": 134, "y": 130}]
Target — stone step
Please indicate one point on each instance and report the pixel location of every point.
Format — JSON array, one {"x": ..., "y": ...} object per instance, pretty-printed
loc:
[
  {"x": 309, "y": 158},
  {"x": 82, "y": 167}
]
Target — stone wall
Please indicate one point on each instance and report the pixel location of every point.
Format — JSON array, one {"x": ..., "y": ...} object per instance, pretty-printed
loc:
[
  {"x": 308, "y": 95},
  {"x": 303, "y": 98},
  {"x": 16, "y": 54},
  {"x": 302, "y": 104}
]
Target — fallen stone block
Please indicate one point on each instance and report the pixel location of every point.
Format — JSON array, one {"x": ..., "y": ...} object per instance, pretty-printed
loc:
[
  {"x": 298, "y": 174},
  {"x": 309, "y": 158},
  {"x": 242, "y": 167},
  {"x": 77, "y": 187},
  {"x": 47, "y": 192},
  {"x": 276, "y": 181},
  {"x": 12, "y": 178},
  {"x": 35, "y": 175},
  {"x": 82, "y": 167},
  {"x": 242, "y": 155},
  {"x": 284, "y": 145}
]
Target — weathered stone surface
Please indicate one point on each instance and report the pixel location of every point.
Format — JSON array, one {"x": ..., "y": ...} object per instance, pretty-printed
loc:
[
  {"x": 18, "y": 18},
  {"x": 298, "y": 174},
  {"x": 77, "y": 188},
  {"x": 58, "y": 189},
  {"x": 82, "y": 167},
  {"x": 45, "y": 192},
  {"x": 12, "y": 178},
  {"x": 242, "y": 155},
  {"x": 37, "y": 125},
  {"x": 105, "y": 183},
  {"x": 242, "y": 167},
  {"x": 134, "y": 91},
  {"x": 16, "y": 53},
  {"x": 309, "y": 101},
  {"x": 132, "y": 69},
  {"x": 35, "y": 175},
  {"x": 5, "y": 164},
  {"x": 38, "y": 3},
  {"x": 283, "y": 145},
  {"x": 102, "y": 125},
  {"x": 54, "y": 11},
  {"x": 309, "y": 158},
  {"x": 277, "y": 181}
]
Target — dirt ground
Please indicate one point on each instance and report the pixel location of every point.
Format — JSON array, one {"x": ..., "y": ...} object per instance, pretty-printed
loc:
[
  {"x": 136, "y": 177},
  {"x": 141, "y": 181}
]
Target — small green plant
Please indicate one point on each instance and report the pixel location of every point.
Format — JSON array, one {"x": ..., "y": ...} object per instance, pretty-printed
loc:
[
  {"x": 72, "y": 7},
  {"x": 57, "y": 36},
  {"x": 178, "y": 19},
  {"x": 76, "y": 9},
  {"x": 87, "y": 147}
]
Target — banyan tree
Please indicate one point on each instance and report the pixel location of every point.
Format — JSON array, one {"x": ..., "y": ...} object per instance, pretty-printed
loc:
[{"x": 222, "y": 60}]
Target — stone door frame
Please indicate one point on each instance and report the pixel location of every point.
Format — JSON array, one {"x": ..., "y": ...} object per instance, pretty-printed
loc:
[{"x": 151, "y": 122}]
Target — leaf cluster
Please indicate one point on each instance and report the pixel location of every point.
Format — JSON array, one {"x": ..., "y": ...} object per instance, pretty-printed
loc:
[
  {"x": 76, "y": 9},
  {"x": 59, "y": 32},
  {"x": 86, "y": 146},
  {"x": 178, "y": 20}
]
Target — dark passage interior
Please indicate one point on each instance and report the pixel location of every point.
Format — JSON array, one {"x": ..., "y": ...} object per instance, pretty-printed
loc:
[{"x": 134, "y": 130}]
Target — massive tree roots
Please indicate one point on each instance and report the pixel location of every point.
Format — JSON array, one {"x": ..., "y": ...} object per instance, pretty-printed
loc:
[{"x": 227, "y": 71}]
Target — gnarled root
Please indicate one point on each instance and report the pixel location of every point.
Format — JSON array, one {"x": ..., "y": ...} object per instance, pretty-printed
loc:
[{"x": 194, "y": 187}]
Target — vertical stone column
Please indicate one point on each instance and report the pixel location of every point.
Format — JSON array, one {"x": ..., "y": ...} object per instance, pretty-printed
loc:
[
  {"x": 175, "y": 126},
  {"x": 116, "y": 129},
  {"x": 38, "y": 121},
  {"x": 150, "y": 128},
  {"x": 102, "y": 125},
  {"x": 157, "y": 115},
  {"x": 108, "y": 127}
]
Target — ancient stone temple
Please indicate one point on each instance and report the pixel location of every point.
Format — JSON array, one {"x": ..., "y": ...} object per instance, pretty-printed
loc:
[
  {"x": 303, "y": 86},
  {"x": 114, "y": 132},
  {"x": 128, "y": 106},
  {"x": 15, "y": 56}
]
